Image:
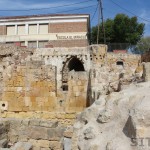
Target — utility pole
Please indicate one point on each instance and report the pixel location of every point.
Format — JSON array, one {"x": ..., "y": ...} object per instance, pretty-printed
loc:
[
  {"x": 100, "y": 15},
  {"x": 98, "y": 25}
]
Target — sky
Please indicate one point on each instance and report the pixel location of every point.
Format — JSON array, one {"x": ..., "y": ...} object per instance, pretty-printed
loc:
[{"x": 138, "y": 8}]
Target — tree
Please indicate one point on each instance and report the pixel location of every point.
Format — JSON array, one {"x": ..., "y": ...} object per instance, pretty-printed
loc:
[
  {"x": 121, "y": 29},
  {"x": 143, "y": 45}
]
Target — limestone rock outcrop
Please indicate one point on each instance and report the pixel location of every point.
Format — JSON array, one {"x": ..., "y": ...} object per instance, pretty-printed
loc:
[{"x": 115, "y": 122}]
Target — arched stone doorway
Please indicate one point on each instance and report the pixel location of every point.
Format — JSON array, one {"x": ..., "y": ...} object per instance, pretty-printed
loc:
[
  {"x": 71, "y": 64},
  {"x": 75, "y": 64}
]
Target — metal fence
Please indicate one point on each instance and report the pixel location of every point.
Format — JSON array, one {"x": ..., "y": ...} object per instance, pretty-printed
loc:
[{"x": 134, "y": 49}]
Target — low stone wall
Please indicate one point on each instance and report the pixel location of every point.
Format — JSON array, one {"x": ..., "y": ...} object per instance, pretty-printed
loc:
[
  {"x": 130, "y": 61},
  {"x": 40, "y": 134},
  {"x": 64, "y": 119}
]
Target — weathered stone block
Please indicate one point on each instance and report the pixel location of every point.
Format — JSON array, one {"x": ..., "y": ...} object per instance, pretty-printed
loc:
[
  {"x": 48, "y": 124},
  {"x": 37, "y": 133},
  {"x": 34, "y": 122},
  {"x": 23, "y": 146},
  {"x": 3, "y": 143},
  {"x": 55, "y": 133}
]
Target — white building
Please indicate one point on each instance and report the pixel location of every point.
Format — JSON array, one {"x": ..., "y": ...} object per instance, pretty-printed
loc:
[{"x": 61, "y": 30}]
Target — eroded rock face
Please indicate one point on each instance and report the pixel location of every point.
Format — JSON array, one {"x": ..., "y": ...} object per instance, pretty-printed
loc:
[{"x": 116, "y": 121}]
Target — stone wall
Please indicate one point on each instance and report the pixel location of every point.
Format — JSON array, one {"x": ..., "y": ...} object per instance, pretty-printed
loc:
[
  {"x": 77, "y": 83},
  {"x": 40, "y": 134},
  {"x": 34, "y": 80},
  {"x": 65, "y": 119},
  {"x": 129, "y": 61},
  {"x": 30, "y": 88},
  {"x": 107, "y": 75}
]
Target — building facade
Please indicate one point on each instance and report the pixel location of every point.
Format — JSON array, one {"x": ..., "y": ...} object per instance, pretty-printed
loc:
[{"x": 41, "y": 31}]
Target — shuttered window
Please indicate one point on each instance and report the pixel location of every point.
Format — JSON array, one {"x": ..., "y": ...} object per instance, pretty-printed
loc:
[
  {"x": 32, "y": 44},
  {"x": 43, "y": 28},
  {"x": 33, "y": 29},
  {"x": 42, "y": 44},
  {"x": 22, "y": 43},
  {"x": 21, "y": 29},
  {"x": 10, "y": 30}
]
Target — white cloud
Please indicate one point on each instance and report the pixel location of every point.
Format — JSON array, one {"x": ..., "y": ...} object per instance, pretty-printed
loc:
[{"x": 145, "y": 15}]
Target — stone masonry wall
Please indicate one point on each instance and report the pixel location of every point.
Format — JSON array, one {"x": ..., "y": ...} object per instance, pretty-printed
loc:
[
  {"x": 130, "y": 61},
  {"x": 31, "y": 85},
  {"x": 33, "y": 81},
  {"x": 78, "y": 83},
  {"x": 40, "y": 134},
  {"x": 30, "y": 88},
  {"x": 107, "y": 76}
]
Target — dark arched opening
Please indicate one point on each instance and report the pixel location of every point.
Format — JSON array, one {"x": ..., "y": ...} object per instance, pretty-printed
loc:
[
  {"x": 72, "y": 64},
  {"x": 119, "y": 63},
  {"x": 75, "y": 64}
]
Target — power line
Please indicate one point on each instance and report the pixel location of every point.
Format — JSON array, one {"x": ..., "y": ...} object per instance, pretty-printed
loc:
[
  {"x": 94, "y": 13},
  {"x": 129, "y": 11},
  {"x": 75, "y": 9},
  {"x": 46, "y": 7}
]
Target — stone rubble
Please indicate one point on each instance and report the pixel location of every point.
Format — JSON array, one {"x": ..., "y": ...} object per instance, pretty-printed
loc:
[{"x": 113, "y": 122}]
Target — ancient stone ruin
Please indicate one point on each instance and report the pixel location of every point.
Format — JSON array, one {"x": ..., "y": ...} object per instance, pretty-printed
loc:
[{"x": 42, "y": 91}]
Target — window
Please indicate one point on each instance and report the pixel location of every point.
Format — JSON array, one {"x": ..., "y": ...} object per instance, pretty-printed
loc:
[
  {"x": 43, "y": 28},
  {"x": 21, "y": 29},
  {"x": 42, "y": 44},
  {"x": 33, "y": 29},
  {"x": 119, "y": 63},
  {"x": 32, "y": 44},
  {"x": 9, "y": 43},
  {"x": 65, "y": 87},
  {"x": 22, "y": 43},
  {"x": 10, "y": 30}
]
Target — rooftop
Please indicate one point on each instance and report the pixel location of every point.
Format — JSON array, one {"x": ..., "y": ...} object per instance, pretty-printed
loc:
[{"x": 42, "y": 15}]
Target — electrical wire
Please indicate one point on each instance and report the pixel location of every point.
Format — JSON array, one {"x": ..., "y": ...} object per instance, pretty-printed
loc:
[
  {"x": 46, "y": 7},
  {"x": 74, "y": 9},
  {"x": 129, "y": 11},
  {"x": 94, "y": 13}
]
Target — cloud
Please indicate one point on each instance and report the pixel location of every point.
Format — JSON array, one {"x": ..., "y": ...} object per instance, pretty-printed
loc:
[{"x": 145, "y": 15}]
